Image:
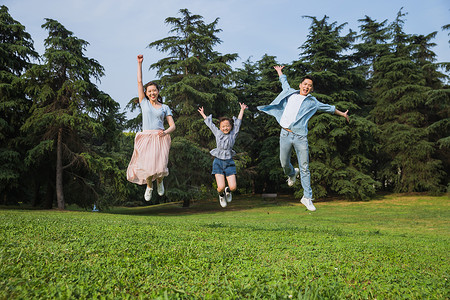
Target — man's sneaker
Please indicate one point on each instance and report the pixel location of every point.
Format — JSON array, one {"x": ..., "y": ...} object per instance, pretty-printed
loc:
[
  {"x": 228, "y": 195},
  {"x": 291, "y": 180},
  {"x": 222, "y": 200},
  {"x": 148, "y": 194},
  {"x": 308, "y": 203},
  {"x": 160, "y": 188}
]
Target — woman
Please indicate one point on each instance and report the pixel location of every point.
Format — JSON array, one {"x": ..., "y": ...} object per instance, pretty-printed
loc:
[{"x": 151, "y": 146}]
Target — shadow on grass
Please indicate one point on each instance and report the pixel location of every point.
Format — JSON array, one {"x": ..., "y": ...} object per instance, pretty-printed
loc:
[{"x": 240, "y": 202}]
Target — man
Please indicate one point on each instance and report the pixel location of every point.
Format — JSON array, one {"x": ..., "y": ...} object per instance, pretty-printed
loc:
[{"x": 293, "y": 109}]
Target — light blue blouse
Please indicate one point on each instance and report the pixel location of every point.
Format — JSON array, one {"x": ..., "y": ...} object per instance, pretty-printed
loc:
[
  {"x": 225, "y": 142},
  {"x": 153, "y": 118}
]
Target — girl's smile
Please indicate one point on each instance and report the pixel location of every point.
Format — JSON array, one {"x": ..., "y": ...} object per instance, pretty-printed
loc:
[{"x": 225, "y": 126}]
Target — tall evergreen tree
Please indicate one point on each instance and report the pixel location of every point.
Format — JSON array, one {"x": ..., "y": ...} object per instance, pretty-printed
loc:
[
  {"x": 437, "y": 99},
  {"x": 72, "y": 122},
  {"x": 258, "y": 84},
  {"x": 374, "y": 37},
  {"x": 402, "y": 83},
  {"x": 193, "y": 75},
  {"x": 341, "y": 154},
  {"x": 16, "y": 54}
]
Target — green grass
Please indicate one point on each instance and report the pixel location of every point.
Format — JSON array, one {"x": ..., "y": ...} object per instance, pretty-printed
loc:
[{"x": 396, "y": 247}]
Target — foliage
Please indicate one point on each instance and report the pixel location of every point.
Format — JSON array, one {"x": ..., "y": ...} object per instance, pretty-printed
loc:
[
  {"x": 188, "y": 167},
  {"x": 16, "y": 52},
  {"x": 404, "y": 81},
  {"x": 342, "y": 154},
  {"x": 258, "y": 250},
  {"x": 60, "y": 136},
  {"x": 76, "y": 122},
  {"x": 257, "y": 84},
  {"x": 194, "y": 74}
]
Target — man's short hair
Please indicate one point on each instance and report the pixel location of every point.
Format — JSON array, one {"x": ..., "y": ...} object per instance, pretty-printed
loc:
[{"x": 307, "y": 77}]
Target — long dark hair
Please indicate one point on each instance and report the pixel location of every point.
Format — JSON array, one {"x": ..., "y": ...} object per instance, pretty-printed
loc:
[{"x": 157, "y": 87}]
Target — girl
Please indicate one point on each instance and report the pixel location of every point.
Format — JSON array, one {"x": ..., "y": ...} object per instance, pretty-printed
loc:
[
  {"x": 151, "y": 146},
  {"x": 223, "y": 164}
]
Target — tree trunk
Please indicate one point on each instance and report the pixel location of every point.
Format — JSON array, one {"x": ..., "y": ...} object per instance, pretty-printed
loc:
[{"x": 59, "y": 172}]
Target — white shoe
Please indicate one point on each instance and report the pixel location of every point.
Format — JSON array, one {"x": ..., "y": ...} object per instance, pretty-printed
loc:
[
  {"x": 222, "y": 201},
  {"x": 148, "y": 194},
  {"x": 160, "y": 188},
  {"x": 228, "y": 195},
  {"x": 308, "y": 203},
  {"x": 291, "y": 180}
]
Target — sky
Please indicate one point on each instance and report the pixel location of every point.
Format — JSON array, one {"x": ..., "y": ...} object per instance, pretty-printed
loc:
[{"x": 118, "y": 30}]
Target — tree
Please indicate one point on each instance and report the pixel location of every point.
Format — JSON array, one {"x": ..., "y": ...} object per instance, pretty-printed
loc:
[
  {"x": 16, "y": 53},
  {"x": 257, "y": 83},
  {"x": 402, "y": 84},
  {"x": 341, "y": 154},
  {"x": 72, "y": 122},
  {"x": 193, "y": 75}
]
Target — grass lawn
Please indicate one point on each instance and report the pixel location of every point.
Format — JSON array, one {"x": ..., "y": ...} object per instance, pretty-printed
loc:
[{"x": 395, "y": 247}]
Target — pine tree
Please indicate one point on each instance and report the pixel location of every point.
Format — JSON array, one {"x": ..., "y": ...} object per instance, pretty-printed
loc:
[
  {"x": 72, "y": 123},
  {"x": 258, "y": 84},
  {"x": 437, "y": 101},
  {"x": 341, "y": 154},
  {"x": 402, "y": 84},
  {"x": 16, "y": 53},
  {"x": 193, "y": 75}
]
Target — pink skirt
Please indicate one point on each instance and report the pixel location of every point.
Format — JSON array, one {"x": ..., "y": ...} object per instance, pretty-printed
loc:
[{"x": 150, "y": 157}]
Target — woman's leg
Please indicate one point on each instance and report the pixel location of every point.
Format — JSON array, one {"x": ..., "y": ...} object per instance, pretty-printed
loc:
[
  {"x": 148, "y": 190},
  {"x": 160, "y": 185}
]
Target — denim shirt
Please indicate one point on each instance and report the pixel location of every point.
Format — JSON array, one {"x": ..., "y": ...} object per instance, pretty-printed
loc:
[
  {"x": 308, "y": 108},
  {"x": 225, "y": 142}
]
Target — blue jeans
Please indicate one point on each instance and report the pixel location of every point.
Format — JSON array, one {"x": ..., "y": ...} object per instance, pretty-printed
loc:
[{"x": 300, "y": 145}]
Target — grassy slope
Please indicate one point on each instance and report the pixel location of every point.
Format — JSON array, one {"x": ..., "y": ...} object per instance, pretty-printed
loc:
[{"x": 394, "y": 247}]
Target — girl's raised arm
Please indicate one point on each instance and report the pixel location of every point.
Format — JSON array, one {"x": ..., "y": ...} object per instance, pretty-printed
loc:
[{"x": 241, "y": 113}]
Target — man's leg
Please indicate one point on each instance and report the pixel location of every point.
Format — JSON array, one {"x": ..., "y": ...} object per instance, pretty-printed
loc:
[
  {"x": 302, "y": 151},
  {"x": 285, "y": 153}
]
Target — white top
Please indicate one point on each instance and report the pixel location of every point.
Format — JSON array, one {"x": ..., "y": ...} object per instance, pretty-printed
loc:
[{"x": 291, "y": 110}]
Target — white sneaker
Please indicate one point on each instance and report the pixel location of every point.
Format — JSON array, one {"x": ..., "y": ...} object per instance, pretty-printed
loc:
[
  {"x": 308, "y": 203},
  {"x": 148, "y": 194},
  {"x": 291, "y": 180},
  {"x": 223, "y": 201},
  {"x": 228, "y": 195},
  {"x": 160, "y": 188}
]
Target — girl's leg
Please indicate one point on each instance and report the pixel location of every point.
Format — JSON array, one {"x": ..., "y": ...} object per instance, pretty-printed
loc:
[
  {"x": 220, "y": 179},
  {"x": 232, "y": 182},
  {"x": 231, "y": 187}
]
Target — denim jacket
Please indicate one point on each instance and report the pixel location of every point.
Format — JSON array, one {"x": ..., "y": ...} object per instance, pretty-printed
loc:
[{"x": 308, "y": 108}]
